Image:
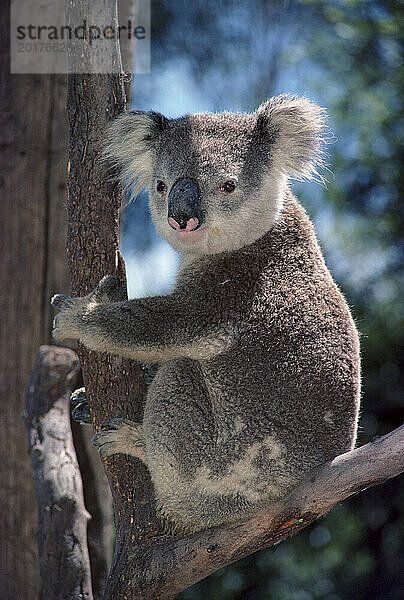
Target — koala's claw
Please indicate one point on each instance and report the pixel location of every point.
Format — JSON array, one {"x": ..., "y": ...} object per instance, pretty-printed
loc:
[
  {"x": 115, "y": 424},
  {"x": 111, "y": 288},
  {"x": 104, "y": 445},
  {"x": 105, "y": 448},
  {"x": 59, "y": 300},
  {"x": 79, "y": 406},
  {"x": 109, "y": 282},
  {"x": 81, "y": 413},
  {"x": 79, "y": 395}
]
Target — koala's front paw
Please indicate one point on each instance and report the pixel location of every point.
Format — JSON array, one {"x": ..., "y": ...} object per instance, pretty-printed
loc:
[
  {"x": 66, "y": 324},
  {"x": 69, "y": 322},
  {"x": 120, "y": 436}
]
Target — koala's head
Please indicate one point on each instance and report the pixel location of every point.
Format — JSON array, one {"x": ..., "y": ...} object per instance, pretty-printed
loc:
[{"x": 216, "y": 182}]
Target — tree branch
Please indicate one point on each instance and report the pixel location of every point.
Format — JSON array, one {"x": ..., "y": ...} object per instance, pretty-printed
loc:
[
  {"x": 166, "y": 566},
  {"x": 62, "y": 532}
]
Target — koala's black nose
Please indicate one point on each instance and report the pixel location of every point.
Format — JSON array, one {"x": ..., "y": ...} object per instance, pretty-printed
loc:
[{"x": 184, "y": 205}]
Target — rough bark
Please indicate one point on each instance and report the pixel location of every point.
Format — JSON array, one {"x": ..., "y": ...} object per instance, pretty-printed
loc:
[
  {"x": 159, "y": 569},
  {"x": 62, "y": 537},
  {"x": 114, "y": 386},
  {"x": 33, "y": 227}
]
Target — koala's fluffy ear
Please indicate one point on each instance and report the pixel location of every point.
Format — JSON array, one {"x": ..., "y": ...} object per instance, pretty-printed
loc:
[
  {"x": 295, "y": 126},
  {"x": 130, "y": 147}
]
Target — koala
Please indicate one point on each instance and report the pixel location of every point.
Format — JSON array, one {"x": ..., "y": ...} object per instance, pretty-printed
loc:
[{"x": 259, "y": 370}]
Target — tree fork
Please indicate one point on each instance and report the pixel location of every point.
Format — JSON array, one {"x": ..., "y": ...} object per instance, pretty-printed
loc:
[{"x": 168, "y": 567}]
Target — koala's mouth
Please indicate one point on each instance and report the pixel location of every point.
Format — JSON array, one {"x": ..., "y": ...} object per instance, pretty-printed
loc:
[
  {"x": 185, "y": 225},
  {"x": 190, "y": 236}
]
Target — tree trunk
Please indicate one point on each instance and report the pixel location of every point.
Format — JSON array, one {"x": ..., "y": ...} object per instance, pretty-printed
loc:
[
  {"x": 32, "y": 221},
  {"x": 33, "y": 225},
  {"x": 115, "y": 386}
]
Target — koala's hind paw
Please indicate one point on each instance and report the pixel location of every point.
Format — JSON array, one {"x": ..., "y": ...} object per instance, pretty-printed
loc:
[
  {"x": 121, "y": 436},
  {"x": 79, "y": 406}
]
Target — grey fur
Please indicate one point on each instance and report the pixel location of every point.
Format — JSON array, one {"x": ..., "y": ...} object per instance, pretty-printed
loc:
[{"x": 259, "y": 376}]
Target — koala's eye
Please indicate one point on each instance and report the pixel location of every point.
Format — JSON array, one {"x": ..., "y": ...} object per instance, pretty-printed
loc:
[
  {"x": 228, "y": 187},
  {"x": 161, "y": 186}
]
